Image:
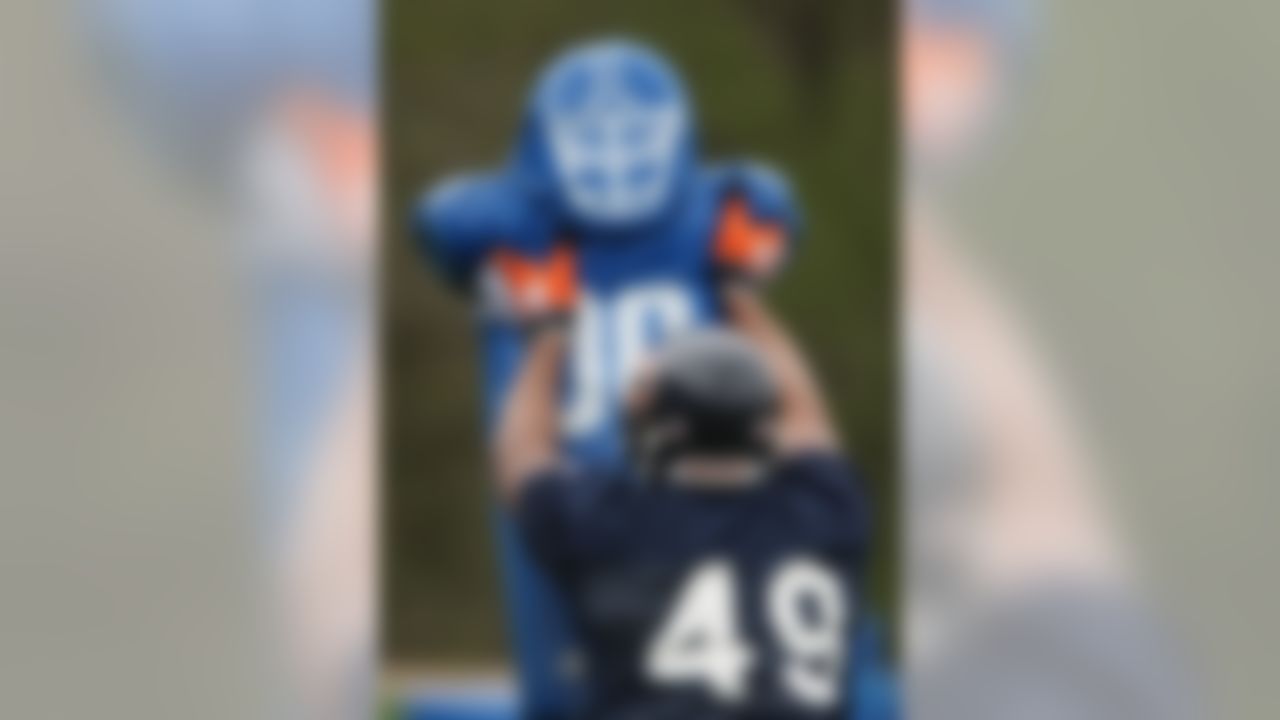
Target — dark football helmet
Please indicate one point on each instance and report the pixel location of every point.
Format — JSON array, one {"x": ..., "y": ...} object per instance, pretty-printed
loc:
[{"x": 707, "y": 398}]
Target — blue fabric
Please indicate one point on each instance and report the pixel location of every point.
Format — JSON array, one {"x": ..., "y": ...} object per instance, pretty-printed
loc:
[
  {"x": 876, "y": 692},
  {"x": 460, "y": 704}
]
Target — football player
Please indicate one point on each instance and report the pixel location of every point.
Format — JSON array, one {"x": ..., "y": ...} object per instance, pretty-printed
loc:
[
  {"x": 606, "y": 162},
  {"x": 713, "y": 573}
]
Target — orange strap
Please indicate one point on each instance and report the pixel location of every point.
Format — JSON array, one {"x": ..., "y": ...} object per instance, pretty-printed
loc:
[
  {"x": 540, "y": 284},
  {"x": 745, "y": 243}
]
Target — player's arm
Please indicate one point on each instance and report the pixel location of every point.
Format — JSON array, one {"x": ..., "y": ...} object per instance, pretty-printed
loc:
[
  {"x": 805, "y": 422},
  {"x": 526, "y": 442},
  {"x": 542, "y": 293}
]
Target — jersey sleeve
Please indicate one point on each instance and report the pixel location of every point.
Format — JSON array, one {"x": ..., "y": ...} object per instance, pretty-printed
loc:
[
  {"x": 550, "y": 513},
  {"x": 832, "y": 491},
  {"x": 542, "y": 514}
]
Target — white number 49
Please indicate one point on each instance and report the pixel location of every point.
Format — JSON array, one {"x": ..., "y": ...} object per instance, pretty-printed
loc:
[{"x": 699, "y": 641}]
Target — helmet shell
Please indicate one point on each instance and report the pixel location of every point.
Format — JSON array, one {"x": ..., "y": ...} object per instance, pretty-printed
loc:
[
  {"x": 609, "y": 134},
  {"x": 710, "y": 395}
]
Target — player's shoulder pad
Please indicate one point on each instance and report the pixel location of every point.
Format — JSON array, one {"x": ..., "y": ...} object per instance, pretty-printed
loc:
[
  {"x": 461, "y": 218},
  {"x": 576, "y": 500},
  {"x": 765, "y": 188},
  {"x": 832, "y": 485}
]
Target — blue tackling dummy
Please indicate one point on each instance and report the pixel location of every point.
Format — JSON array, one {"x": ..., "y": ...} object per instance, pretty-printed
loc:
[{"x": 607, "y": 160}]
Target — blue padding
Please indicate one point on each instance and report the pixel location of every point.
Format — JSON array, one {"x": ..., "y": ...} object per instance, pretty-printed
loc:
[{"x": 461, "y": 704}]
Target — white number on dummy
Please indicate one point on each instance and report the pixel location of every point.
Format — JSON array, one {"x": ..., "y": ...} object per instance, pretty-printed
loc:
[
  {"x": 586, "y": 409},
  {"x": 698, "y": 642},
  {"x": 612, "y": 338}
]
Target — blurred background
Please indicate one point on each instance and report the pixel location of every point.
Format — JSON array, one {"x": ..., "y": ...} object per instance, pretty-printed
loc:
[
  {"x": 188, "y": 208},
  {"x": 1090, "y": 361},
  {"x": 805, "y": 85}
]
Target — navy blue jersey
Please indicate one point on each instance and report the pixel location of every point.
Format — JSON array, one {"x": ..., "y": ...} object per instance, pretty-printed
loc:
[{"x": 707, "y": 603}]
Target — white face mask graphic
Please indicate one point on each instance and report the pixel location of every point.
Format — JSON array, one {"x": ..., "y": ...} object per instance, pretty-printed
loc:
[{"x": 615, "y": 125}]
